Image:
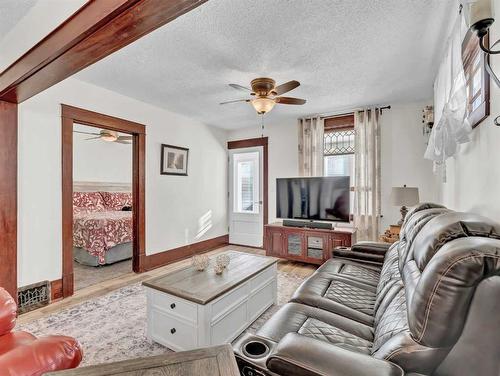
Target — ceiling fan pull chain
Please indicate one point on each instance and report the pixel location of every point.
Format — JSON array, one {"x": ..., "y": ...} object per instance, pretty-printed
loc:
[{"x": 262, "y": 124}]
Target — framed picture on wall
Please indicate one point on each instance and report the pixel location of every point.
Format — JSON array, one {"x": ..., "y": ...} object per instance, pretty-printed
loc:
[{"x": 174, "y": 160}]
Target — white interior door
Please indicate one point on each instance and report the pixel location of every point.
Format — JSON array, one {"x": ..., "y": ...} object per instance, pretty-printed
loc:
[{"x": 246, "y": 215}]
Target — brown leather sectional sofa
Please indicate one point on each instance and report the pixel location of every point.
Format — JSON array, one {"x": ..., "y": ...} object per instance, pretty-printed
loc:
[{"x": 431, "y": 308}]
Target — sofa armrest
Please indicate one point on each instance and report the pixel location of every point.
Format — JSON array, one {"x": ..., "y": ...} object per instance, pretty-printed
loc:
[
  {"x": 8, "y": 312},
  {"x": 305, "y": 356},
  {"x": 375, "y": 248},
  {"x": 44, "y": 354}
]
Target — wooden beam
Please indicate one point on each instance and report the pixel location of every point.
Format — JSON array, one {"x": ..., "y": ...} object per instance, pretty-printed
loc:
[
  {"x": 95, "y": 31},
  {"x": 8, "y": 197}
]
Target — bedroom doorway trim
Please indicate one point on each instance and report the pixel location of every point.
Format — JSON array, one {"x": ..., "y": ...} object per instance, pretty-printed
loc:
[{"x": 71, "y": 115}]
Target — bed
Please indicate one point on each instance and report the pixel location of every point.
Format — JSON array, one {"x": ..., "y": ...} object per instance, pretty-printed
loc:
[{"x": 102, "y": 227}]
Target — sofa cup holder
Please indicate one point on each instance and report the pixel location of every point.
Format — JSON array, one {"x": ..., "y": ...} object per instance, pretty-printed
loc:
[{"x": 255, "y": 349}]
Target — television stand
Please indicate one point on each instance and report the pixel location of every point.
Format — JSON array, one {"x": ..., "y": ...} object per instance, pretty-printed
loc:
[
  {"x": 310, "y": 245},
  {"x": 307, "y": 224}
]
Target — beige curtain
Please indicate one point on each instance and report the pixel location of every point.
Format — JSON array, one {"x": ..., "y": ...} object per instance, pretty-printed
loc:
[
  {"x": 311, "y": 133},
  {"x": 367, "y": 174}
]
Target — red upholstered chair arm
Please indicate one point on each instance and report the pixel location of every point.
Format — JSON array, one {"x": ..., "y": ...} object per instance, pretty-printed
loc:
[
  {"x": 8, "y": 312},
  {"x": 43, "y": 355}
]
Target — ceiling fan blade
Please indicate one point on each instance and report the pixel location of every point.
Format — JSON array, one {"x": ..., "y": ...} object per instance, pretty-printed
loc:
[
  {"x": 93, "y": 138},
  {"x": 239, "y": 87},
  {"x": 286, "y": 87},
  {"x": 125, "y": 138},
  {"x": 237, "y": 100},
  {"x": 289, "y": 100},
  {"x": 122, "y": 142},
  {"x": 93, "y": 134}
]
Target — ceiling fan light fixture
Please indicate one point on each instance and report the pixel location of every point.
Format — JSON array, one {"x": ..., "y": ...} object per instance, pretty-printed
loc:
[
  {"x": 263, "y": 105},
  {"x": 109, "y": 136}
]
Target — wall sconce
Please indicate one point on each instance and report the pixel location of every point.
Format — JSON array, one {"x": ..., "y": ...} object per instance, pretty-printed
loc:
[{"x": 480, "y": 20}]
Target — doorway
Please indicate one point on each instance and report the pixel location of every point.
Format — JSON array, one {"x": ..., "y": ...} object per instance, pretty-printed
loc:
[
  {"x": 73, "y": 119},
  {"x": 248, "y": 191}
]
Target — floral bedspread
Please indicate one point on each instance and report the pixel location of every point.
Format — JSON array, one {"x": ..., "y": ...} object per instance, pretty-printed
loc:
[{"x": 98, "y": 231}]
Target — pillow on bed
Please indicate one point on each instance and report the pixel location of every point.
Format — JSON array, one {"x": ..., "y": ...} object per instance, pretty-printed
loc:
[
  {"x": 91, "y": 201},
  {"x": 116, "y": 200}
]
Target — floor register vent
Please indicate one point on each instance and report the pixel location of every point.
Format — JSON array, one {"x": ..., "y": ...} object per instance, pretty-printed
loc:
[{"x": 33, "y": 296}]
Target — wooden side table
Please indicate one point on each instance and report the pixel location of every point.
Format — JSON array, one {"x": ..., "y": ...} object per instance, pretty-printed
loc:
[{"x": 214, "y": 361}]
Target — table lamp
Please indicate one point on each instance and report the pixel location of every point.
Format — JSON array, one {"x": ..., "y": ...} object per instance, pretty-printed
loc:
[{"x": 404, "y": 196}]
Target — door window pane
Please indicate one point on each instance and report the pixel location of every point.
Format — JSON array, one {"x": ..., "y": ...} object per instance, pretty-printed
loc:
[
  {"x": 245, "y": 186},
  {"x": 246, "y": 183}
]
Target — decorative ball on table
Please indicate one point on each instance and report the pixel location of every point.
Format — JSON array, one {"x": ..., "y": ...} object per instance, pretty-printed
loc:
[
  {"x": 223, "y": 260},
  {"x": 200, "y": 262}
]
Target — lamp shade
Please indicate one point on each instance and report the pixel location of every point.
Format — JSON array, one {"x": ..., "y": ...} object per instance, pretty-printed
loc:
[
  {"x": 404, "y": 196},
  {"x": 263, "y": 105}
]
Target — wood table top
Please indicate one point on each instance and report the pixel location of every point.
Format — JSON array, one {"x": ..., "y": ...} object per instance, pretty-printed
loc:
[
  {"x": 204, "y": 286},
  {"x": 213, "y": 361}
]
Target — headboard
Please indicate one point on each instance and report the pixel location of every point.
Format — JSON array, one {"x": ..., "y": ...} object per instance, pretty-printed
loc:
[{"x": 93, "y": 186}]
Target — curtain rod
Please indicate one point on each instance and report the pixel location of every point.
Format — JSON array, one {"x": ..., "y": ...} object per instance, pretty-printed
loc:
[{"x": 342, "y": 113}]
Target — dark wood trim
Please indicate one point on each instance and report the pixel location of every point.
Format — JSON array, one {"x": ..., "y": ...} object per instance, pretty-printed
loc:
[
  {"x": 248, "y": 143},
  {"x": 67, "y": 205},
  {"x": 252, "y": 142},
  {"x": 71, "y": 115},
  {"x": 139, "y": 196},
  {"x": 56, "y": 290},
  {"x": 8, "y": 197},
  {"x": 96, "y": 119},
  {"x": 95, "y": 31},
  {"x": 338, "y": 123},
  {"x": 167, "y": 257}
]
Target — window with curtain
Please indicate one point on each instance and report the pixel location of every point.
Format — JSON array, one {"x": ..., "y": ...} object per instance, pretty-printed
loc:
[{"x": 338, "y": 146}]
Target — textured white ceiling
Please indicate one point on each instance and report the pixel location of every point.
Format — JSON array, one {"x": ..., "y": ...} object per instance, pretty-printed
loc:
[
  {"x": 11, "y": 11},
  {"x": 345, "y": 54}
]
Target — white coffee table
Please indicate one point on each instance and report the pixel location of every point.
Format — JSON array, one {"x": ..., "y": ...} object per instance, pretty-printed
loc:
[{"x": 187, "y": 308}]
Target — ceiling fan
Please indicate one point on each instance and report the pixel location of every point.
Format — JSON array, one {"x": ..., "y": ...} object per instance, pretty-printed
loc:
[
  {"x": 266, "y": 94},
  {"x": 108, "y": 136}
]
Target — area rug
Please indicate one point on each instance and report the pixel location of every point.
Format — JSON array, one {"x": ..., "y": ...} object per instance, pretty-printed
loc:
[{"x": 113, "y": 326}]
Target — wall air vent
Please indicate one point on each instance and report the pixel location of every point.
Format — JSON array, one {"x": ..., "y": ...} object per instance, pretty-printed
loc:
[{"x": 33, "y": 296}]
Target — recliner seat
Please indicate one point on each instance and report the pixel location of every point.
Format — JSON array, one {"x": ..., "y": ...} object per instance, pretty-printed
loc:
[{"x": 417, "y": 314}]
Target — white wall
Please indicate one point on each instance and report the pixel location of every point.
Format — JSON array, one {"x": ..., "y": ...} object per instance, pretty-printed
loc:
[
  {"x": 178, "y": 208},
  {"x": 402, "y": 158},
  {"x": 403, "y": 146},
  {"x": 473, "y": 176},
  {"x": 100, "y": 161}
]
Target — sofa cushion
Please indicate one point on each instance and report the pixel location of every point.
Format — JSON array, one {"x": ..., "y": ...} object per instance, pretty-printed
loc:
[
  {"x": 12, "y": 340},
  {"x": 336, "y": 293},
  {"x": 365, "y": 273},
  {"x": 318, "y": 324}
]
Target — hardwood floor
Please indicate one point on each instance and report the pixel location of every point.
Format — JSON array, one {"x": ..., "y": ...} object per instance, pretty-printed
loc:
[
  {"x": 291, "y": 267},
  {"x": 85, "y": 276}
]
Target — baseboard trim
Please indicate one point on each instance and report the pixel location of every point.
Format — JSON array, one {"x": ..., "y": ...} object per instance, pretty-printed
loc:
[
  {"x": 56, "y": 290},
  {"x": 247, "y": 246},
  {"x": 172, "y": 255}
]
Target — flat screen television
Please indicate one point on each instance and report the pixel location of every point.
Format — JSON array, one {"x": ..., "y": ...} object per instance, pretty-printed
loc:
[{"x": 316, "y": 198}]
